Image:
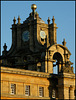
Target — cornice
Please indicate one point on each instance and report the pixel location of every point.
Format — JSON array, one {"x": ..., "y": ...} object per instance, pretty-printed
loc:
[
  {"x": 35, "y": 73},
  {"x": 24, "y": 72},
  {"x": 67, "y": 75}
]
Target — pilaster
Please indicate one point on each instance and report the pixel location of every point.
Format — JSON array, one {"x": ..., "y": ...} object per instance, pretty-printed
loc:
[{"x": 71, "y": 91}]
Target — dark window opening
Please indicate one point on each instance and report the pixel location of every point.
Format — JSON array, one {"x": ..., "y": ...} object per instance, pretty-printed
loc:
[
  {"x": 58, "y": 64},
  {"x": 55, "y": 68},
  {"x": 42, "y": 39}
]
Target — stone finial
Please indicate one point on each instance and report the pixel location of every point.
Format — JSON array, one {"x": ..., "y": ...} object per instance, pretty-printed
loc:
[
  {"x": 53, "y": 20},
  {"x": 48, "y": 20},
  {"x": 64, "y": 42},
  {"x": 14, "y": 20},
  {"x": 19, "y": 20},
  {"x": 5, "y": 47}
]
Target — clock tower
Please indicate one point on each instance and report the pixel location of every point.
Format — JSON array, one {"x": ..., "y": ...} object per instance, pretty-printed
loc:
[
  {"x": 28, "y": 66},
  {"x": 30, "y": 40},
  {"x": 34, "y": 43}
]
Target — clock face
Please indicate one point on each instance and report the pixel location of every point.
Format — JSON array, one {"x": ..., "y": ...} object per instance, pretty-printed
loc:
[
  {"x": 25, "y": 36},
  {"x": 42, "y": 34}
]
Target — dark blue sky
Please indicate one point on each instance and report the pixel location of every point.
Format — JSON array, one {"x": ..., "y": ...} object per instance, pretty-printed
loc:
[{"x": 63, "y": 11}]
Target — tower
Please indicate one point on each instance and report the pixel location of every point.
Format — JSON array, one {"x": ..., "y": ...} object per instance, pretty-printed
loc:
[{"x": 32, "y": 54}]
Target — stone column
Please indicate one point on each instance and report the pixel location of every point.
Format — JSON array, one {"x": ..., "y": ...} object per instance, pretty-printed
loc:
[
  {"x": 46, "y": 61},
  {"x": 0, "y": 62},
  {"x": 49, "y": 62},
  {"x": 66, "y": 92},
  {"x": 50, "y": 67},
  {"x": 71, "y": 93},
  {"x": 45, "y": 65},
  {"x": 60, "y": 92},
  {"x": 59, "y": 67}
]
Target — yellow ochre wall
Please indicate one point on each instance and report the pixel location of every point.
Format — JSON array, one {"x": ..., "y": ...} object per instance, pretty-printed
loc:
[{"x": 10, "y": 75}]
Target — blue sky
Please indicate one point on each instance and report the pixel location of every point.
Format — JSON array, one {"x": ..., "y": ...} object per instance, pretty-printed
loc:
[{"x": 63, "y": 11}]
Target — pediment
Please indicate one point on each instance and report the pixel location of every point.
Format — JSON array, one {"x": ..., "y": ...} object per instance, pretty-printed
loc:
[{"x": 59, "y": 47}]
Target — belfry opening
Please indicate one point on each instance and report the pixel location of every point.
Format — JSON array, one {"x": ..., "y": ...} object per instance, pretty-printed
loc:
[{"x": 58, "y": 63}]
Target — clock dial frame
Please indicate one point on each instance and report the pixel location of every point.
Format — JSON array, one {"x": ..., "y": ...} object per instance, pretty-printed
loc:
[
  {"x": 42, "y": 34},
  {"x": 25, "y": 36}
]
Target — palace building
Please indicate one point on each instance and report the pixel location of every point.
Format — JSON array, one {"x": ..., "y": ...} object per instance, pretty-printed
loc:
[{"x": 27, "y": 67}]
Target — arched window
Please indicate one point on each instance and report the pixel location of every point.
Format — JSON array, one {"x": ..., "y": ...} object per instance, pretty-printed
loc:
[
  {"x": 57, "y": 65},
  {"x": 55, "y": 70}
]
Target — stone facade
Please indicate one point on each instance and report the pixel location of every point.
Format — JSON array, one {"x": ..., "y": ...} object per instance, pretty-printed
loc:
[{"x": 30, "y": 62}]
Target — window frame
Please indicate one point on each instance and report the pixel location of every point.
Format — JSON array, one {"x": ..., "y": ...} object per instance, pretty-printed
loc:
[
  {"x": 41, "y": 91},
  {"x": 27, "y": 91},
  {"x": 53, "y": 93},
  {"x": 13, "y": 89}
]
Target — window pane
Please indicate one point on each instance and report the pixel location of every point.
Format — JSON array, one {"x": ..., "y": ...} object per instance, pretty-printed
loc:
[
  {"x": 53, "y": 93},
  {"x": 41, "y": 91},
  {"x": 27, "y": 90},
  {"x": 13, "y": 88}
]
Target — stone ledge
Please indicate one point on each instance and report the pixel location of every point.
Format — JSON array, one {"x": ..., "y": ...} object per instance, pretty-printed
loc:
[
  {"x": 65, "y": 86},
  {"x": 67, "y": 75},
  {"x": 23, "y": 96},
  {"x": 34, "y": 73},
  {"x": 24, "y": 72}
]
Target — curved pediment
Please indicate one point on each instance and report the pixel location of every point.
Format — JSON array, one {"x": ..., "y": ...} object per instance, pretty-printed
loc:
[{"x": 58, "y": 48}]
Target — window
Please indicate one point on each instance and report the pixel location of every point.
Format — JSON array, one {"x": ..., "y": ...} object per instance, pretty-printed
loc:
[
  {"x": 53, "y": 93},
  {"x": 39, "y": 68},
  {"x": 42, "y": 39},
  {"x": 13, "y": 88},
  {"x": 41, "y": 91},
  {"x": 55, "y": 68},
  {"x": 27, "y": 90},
  {"x": 69, "y": 92},
  {"x": 74, "y": 93}
]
